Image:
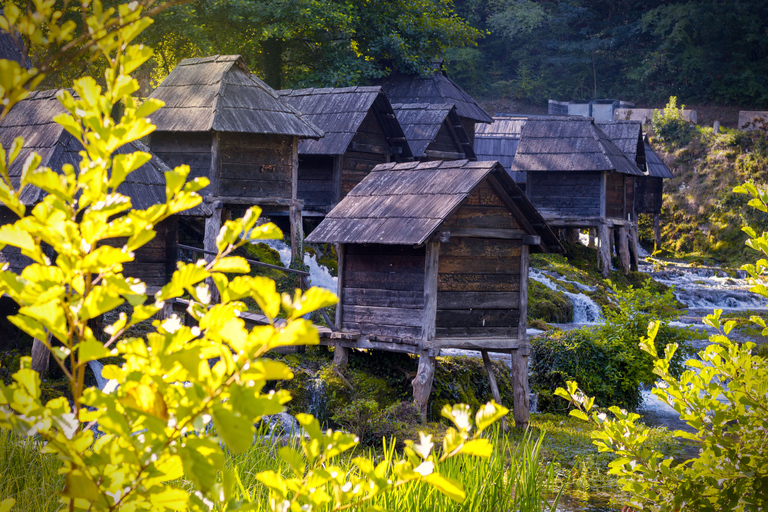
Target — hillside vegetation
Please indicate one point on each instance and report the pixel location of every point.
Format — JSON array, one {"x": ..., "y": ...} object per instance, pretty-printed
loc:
[{"x": 702, "y": 217}]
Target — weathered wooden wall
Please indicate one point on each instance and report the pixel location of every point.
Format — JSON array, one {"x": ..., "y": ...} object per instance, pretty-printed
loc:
[
  {"x": 478, "y": 288},
  {"x": 251, "y": 165},
  {"x": 257, "y": 166},
  {"x": 629, "y": 196},
  {"x": 369, "y": 148},
  {"x": 177, "y": 148},
  {"x": 565, "y": 194},
  {"x": 316, "y": 181},
  {"x": 383, "y": 290},
  {"x": 649, "y": 195},
  {"x": 444, "y": 141},
  {"x": 614, "y": 195},
  {"x": 469, "y": 127}
]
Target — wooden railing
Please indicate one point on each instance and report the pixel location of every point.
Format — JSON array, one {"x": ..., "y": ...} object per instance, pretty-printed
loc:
[{"x": 302, "y": 275}]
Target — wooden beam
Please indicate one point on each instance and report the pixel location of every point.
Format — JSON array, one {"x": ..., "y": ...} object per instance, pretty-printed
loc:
[
  {"x": 494, "y": 344},
  {"x": 531, "y": 240},
  {"x": 368, "y": 148},
  {"x": 605, "y": 249},
  {"x": 430, "y": 291},
  {"x": 260, "y": 201},
  {"x": 367, "y": 344},
  {"x": 504, "y": 234},
  {"x": 444, "y": 155},
  {"x": 521, "y": 217},
  {"x": 520, "y": 391},
  {"x": 522, "y": 324}
]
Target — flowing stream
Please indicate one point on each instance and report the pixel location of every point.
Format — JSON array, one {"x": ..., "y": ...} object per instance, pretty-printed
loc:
[
  {"x": 585, "y": 310},
  {"x": 319, "y": 275}
]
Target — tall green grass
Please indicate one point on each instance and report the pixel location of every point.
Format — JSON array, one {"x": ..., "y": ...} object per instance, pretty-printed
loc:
[
  {"x": 512, "y": 479},
  {"x": 28, "y": 476}
]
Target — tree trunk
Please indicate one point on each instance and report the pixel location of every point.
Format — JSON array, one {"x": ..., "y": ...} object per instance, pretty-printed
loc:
[{"x": 272, "y": 59}]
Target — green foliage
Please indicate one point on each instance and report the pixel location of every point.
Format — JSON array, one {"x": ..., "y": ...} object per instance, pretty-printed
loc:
[
  {"x": 605, "y": 359},
  {"x": 548, "y": 305},
  {"x": 722, "y": 397},
  {"x": 172, "y": 385},
  {"x": 670, "y": 125}
]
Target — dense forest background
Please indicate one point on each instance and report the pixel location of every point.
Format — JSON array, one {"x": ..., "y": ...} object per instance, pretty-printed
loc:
[{"x": 703, "y": 51}]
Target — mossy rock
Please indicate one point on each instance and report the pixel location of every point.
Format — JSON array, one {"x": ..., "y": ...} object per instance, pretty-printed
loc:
[{"x": 548, "y": 305}]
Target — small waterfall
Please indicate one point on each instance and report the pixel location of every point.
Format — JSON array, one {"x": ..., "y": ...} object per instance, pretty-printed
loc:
[
  {"x": 585, "y": 310},
  {"x": 319, "y": 275},
  {"x": 103, "y": 384},
  {"x": 317, "y": 399}
]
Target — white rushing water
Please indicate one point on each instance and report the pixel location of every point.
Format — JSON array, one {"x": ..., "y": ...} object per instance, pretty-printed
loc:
[
  {"x": 585, "y": 310},
  {"x": 319, "y": 275}
]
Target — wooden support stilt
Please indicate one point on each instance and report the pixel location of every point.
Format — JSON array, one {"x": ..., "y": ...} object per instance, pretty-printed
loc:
[
  {"x": 520, "y": 389},
  {"x": 41, "y": 356},
  {"x": 212, "y": 227},
  {"x": 297, "y": 233},
  {"x": 422, "y": 383},
  {"x": 166, "y": 311},
  {"x": 656, "y": 232},
  {"x": 494, "y": 385},
  {"x": 605, "y": 249},
  {"x": 572, "y": 235},
  {"x": 634, "y": 241},
  {"x": 340, "y": 356},
  {"x": 623, "y": 248},
  {"x": 592, "y": 238}
]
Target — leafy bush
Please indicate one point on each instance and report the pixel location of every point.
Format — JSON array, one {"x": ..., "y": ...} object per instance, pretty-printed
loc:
[
  {"x": 605, "y": 359},
  {"x": 669, "y": 124},
  {"x": 156, "y": 413}
]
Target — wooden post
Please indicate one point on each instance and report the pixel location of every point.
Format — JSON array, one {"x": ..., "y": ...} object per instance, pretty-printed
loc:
[
  {"x": 521, "y": 401},
  {"x": 592, "y": 237},
  {"x": 340, "y": 354},
  {"x": 171, "y": 246},
  {"x": 494, "y": 385},
  {"x": 41, "y": 356},
  {"x": 520, "y": 389},
  {"x": 623, "y": 248},
  {"x": 572, "y": 235},
  {"x": 430, "y": 290},
  {"x": 633, "y": 244},
  {"x": 212, "y": 227},
  {"x": 422, "y": 383},
  {"x": 605, "y": 249},
  {"x": 297, "y": 233},
  {"x": 656, "y": 232}
]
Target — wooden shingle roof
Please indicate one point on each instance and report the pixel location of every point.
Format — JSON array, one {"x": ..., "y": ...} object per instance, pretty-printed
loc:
[
  {"x": 9, "y": 50},
  {"x": 499, "y": 140},
  {"x": 628, "y": 137},
  {"x": 404, "y": 204},
  {"x": 422, "y": 121},
  {"x": 561, "y": 143},
  {"x": 219, "y": 93},
  {"x": 339, "y": 112},
  {"x": 656, "y": 166},
  {"x": 32, "y": 119},
  {"x": 436, "y": 88}
]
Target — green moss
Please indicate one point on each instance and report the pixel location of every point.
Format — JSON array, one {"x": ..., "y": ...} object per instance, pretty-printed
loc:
[{"x": 548, "y": 305}]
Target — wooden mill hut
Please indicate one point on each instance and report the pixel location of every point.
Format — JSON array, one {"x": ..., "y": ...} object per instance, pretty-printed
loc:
[
  {"x": 434, "y": 131},
  {"x": 499, "y": 140},
  {"x": 435, "y": 255},
  {"x": 32, "y": 119},
  {"x": 436, "y": 88},
  {"x": 578, "y": 179},
  {"x": 650, "y": 190},
  {"x": 230, "y": 127},
  {"x": 361, "y": 131}
]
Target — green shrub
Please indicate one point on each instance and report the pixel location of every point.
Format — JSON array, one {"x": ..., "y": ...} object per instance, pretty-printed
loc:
[
  {"x": 605, "y": 359},
  {"x": 669, "y": 124}
]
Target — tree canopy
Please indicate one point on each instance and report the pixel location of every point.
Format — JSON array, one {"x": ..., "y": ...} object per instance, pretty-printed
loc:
[{"x": 646, "y": 50}]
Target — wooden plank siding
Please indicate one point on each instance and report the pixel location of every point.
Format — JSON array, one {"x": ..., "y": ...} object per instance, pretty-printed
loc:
[
  {"x": 255, "y": 165},
  {"x": 614, "y": 196},
  {"x": 649, "y": 195},
  {"x": 315, "y": 185},
  {"x": 565, "y": 194},
  {"x": 383, "y": 290},
  {"x": 368, "y": 149},
  {"x": 478, "y": 289},
  {"x": 180, "y": 148},
  {"x": 151, "y": 262}
]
